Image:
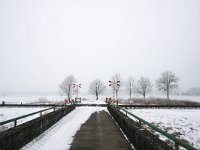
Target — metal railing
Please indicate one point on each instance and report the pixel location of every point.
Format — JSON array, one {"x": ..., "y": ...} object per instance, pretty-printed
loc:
[
  {"x": 177, "y": 142},
  {"x": 24, "y": 116}
]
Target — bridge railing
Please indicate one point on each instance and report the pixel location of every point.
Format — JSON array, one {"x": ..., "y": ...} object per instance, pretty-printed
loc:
[
  {"x": 177, "y": 141},
  {"x": 24, "y": 116}
]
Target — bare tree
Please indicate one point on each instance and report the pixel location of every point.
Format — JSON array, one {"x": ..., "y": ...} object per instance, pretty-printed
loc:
[
  {"x": 167, "y": 82},
  {"x": 116, "y": 83},
  {"x": 144, "y": 86},
  {"x": 130, "y": 83},
  {"x": 96, "y": 87},
  {"x": 66, "y": 86}
]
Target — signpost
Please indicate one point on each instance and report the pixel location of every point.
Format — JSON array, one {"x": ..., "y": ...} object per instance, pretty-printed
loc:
[
  {"x": 76, "y": 87},
  {"x": 114, "y": 85}
]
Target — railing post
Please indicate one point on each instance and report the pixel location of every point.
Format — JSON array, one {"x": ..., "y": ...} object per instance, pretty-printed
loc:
[
  {"x": 176, "y": 146},
  {"x": 15, "y": 123}
]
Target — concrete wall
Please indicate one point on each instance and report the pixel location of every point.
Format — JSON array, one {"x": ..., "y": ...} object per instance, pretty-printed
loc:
[
  {"x": 141, "y": 138},
  {"x": 15, "y": 138}
]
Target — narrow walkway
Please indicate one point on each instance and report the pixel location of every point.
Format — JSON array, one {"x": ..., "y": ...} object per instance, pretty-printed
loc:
[
  {"x": 99, "y": 133},
  {"x": 59, "y": 136}
]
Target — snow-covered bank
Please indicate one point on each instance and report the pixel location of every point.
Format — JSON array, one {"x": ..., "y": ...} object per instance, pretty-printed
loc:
[
  {"x": 7, "y": 113},
  {"x": 183, "y": 123},
  {"x": 60, "y": 136}
]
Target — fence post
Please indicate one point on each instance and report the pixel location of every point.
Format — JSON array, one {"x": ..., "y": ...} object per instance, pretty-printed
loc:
[
  {"x": 176, "y": 146},
  {"x": 15, "y": 123}
]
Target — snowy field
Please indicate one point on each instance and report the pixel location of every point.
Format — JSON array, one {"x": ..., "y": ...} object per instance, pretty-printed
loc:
[
  {"x": 57, "y": 98},
  {"x": 183, "y": 123},
  {"x": 7, "y": 113},
  {"x": 63, "y": 131},
  {"x": 88, "y": 101}
]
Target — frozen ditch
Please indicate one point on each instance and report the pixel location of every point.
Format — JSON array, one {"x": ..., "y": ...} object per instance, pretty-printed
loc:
[
  {"x": 182, "y": 123},
  {"x": 60, "y": 135}
]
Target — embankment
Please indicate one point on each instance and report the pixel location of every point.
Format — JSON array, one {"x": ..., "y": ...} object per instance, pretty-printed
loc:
[
  {"x": 17, "y": 137},
  {"x": 141, "y": 138}
]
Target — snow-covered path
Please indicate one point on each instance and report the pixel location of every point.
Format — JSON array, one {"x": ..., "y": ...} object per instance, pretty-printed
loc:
[{"x": 60, "y": 135}]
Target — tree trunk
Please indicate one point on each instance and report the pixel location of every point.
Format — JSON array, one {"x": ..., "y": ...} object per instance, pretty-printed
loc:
[
  {"x": 130, "y": 93},
  {"x": 168, "y": 95},
  {"x": 97, "y": 96},
  {"x": 167, "y": 91}
]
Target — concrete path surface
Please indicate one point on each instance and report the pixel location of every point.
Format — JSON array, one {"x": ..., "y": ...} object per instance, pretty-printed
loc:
[{"x": 99, "y": 133}]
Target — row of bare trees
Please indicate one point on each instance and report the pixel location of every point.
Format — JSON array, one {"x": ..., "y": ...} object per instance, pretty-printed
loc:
[{"x": 167, "y": 82}]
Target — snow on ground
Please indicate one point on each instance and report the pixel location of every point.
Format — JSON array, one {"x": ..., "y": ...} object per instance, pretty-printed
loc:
[
  {"x": 183, "y": 123},
  {"x": 24, "y": 99},
  {"x": 18, "y": 99},
  {"x": 60, "y": 135},
  {"x": 93, "y": 101},
  {"x": 7, "y": 113}
]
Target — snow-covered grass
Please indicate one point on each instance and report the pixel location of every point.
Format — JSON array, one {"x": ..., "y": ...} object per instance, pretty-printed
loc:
[
  {"x": 182, "y": 123},
  {"x": 93, "y": 101},
  {"x": 18, "y": 99},
  {"x": 7, "y": 113},
  {"x": 60, "y": 135}
]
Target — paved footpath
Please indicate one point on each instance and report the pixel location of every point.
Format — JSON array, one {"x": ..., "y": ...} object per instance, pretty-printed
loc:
[{"x": 99, "y": 133}]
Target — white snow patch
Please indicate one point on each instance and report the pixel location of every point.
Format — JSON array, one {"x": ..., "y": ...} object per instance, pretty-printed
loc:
[
  {"x": 184, "y": 123},
  {"x": 93, "y": 101},
  {"x": 7, "y": 113},
  {"x": 60, "y": 136}
]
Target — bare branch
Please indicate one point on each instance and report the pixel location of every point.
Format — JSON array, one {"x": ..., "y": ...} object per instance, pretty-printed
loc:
[
  {"x": 167, "y": 82},
  {"x": 96, "y": 88},
  {"x": 66, "y": 86},
  {"x": 144, "y": 86}
]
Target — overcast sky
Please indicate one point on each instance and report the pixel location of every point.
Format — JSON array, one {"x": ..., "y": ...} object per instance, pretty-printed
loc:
[{"x": 44, "y": 41}]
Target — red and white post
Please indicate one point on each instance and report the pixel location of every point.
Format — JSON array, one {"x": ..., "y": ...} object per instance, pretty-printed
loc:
[
  {"x": 114, "y": 85},
  {"x": 77, "y": 87}
]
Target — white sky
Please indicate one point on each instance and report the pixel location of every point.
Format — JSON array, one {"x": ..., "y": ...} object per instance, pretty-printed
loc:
[{"x": 43, "y": 41}]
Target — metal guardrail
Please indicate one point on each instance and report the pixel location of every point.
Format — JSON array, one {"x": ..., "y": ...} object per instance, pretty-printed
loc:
[
  {"x": 24, "y": 116},
  {"x": 177, "y": 142}
]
